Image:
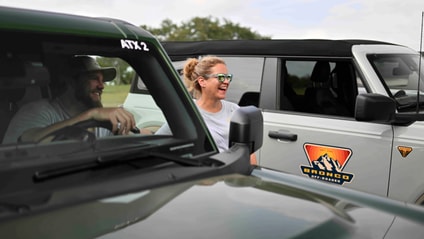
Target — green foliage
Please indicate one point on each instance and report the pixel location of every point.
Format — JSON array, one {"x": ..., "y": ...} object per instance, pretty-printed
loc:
[
  {"x": 201, "y": 28},
  {"x": 299, "y": 84},
  {"x": 124, "y": 71},
  {"x": 196, "y": 29},
  {"x": 115, "y": 95}
]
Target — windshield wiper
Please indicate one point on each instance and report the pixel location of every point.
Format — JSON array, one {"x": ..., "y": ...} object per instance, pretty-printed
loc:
[
  {"x": 409, "y": 105},
  {"x": 409, "y": 102},
  {"x": 109, "y": 159}
]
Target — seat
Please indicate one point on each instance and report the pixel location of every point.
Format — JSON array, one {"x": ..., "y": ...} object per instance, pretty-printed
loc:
[
  {"x": 288, "y": 97},
  {"x": 347, "y": 90},
  {"x": 319, "y": 97},
  {"x": 8, "y": 106},
  {"x": 20, "y": 83}
]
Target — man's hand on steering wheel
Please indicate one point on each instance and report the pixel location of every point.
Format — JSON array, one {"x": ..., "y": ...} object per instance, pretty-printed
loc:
[{"x": 122, "y": 121}]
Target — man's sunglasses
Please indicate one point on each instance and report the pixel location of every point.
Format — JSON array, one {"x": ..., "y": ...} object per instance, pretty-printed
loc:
[{"x": 221, "y": 77}]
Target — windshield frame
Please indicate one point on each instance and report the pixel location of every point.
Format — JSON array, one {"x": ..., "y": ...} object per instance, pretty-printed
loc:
[{"x": 401, "y": 77}]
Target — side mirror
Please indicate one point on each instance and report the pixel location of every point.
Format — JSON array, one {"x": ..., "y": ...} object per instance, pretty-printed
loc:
[
  {"x": 373, "y": 107},
  {"x": 246, "y": 127},
  {"x": 379, "y": 108}
]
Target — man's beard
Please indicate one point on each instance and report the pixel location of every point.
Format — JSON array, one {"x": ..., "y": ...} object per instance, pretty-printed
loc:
[{"x": 83, "y": 94}]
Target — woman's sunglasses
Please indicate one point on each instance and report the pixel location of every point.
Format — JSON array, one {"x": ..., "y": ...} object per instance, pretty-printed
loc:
[{"x": 221, "y": 77}]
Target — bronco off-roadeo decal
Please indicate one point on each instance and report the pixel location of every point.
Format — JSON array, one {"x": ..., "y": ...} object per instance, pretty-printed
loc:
[{"x": 327, "y": 163}]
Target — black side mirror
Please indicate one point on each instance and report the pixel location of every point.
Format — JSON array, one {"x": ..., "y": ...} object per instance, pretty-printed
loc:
[
  {"x": 373, "y": 107},
  {"x": 246, "y": 127}
]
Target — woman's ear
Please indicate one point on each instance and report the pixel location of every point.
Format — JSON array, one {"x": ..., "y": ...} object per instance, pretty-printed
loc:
[{"x": 201, "y": 81}]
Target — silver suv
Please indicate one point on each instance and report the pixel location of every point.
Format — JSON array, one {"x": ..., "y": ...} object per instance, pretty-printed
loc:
[{"x": 344, "y": 112}]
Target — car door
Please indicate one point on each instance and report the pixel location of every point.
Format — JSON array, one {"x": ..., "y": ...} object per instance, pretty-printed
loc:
[
  {"x": 399, "y": 72},
  {"x": 322, "y": 143}
]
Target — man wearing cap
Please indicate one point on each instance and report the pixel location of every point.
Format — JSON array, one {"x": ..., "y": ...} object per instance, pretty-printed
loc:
[{"x": 80, "y": 101}]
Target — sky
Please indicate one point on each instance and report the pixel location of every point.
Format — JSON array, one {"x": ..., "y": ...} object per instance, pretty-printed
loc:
[{"x": 395, "y": 21}]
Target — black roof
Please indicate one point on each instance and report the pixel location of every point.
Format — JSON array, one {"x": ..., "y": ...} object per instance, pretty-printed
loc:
[
  {"x": 28, "y": 20},
  {"x": 179, "y": 50}
]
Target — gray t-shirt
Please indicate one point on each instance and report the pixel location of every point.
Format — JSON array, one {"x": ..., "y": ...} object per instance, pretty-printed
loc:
[
  {"x": 218, "y": 124},
  {"x": 39, "y": 114}
]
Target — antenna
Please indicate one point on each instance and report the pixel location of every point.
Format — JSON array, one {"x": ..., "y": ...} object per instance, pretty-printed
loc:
[{"x": 419, "y": 64}]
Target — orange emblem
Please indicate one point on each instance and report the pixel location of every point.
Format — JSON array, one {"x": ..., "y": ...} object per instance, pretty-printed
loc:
[{"x": 404, "y": 150}]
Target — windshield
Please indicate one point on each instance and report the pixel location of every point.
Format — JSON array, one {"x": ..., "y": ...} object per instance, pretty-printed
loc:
[
  {"x": 66, "y": 121},
  {"x": 75, "y": 90},
  {"x": 400, "y": 73}
]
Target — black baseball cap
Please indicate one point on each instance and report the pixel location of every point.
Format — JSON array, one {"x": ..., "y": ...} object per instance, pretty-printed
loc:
[{"x": 85, "y": 64}]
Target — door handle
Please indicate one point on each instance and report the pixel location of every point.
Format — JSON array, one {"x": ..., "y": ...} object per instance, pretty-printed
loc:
[{"x": 282, "y": 135}]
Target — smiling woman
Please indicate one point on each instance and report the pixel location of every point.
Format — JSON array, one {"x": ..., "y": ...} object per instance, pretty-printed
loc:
[{"x": 208, "y": 80}]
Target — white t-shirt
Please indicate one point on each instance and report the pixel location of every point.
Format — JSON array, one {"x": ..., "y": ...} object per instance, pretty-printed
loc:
[
  {"x": 39, "y": 114},
  {"x": 218, "y": 124}
]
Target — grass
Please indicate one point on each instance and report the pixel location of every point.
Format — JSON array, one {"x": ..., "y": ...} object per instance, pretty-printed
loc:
[{"x": 114, "y": 95}]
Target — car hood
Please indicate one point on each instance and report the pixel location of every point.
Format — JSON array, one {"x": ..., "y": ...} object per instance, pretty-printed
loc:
[{"x": 231, "y": 206}]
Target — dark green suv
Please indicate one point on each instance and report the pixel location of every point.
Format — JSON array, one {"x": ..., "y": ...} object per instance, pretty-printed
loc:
[{"x": 154, "y": 186}]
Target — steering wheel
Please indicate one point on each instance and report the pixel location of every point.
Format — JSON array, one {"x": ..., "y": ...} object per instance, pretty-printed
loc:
[
  {"x": 78, "y": 131},
  {"x": 400, "y": 93}
]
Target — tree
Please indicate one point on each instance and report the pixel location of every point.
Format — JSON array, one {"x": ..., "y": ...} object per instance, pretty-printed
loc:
[
  {"x": 198, "y": 29},
  {"x": 124, "y": 72}
]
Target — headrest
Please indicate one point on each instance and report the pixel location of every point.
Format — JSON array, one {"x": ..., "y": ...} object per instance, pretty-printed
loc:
[
  {"x": 15, "y": 73},
  {"x": 321, "y": 72}
]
